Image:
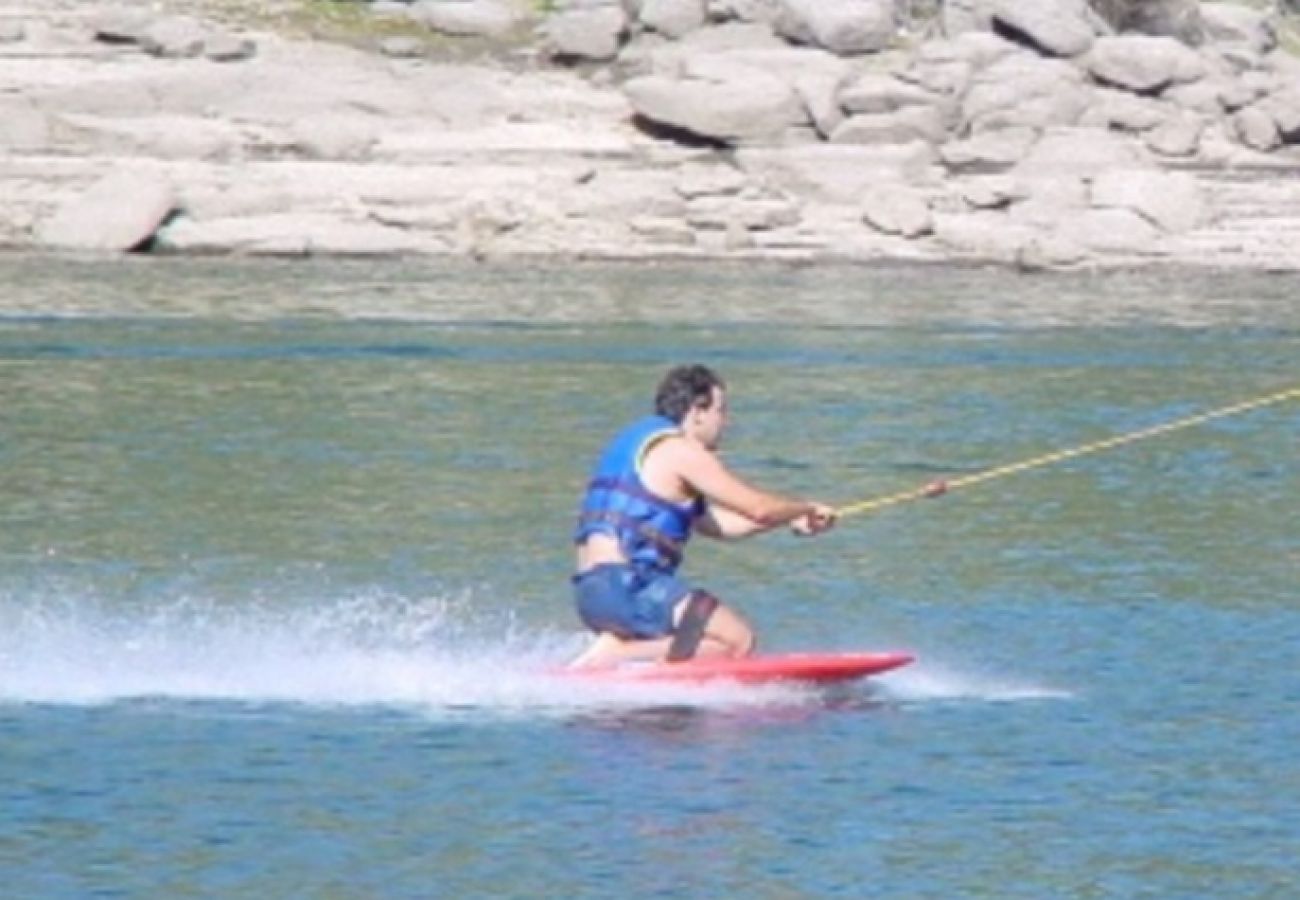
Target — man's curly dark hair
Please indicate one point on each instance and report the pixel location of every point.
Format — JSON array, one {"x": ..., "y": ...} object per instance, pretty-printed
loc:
[{"x": 684, "y": 388}]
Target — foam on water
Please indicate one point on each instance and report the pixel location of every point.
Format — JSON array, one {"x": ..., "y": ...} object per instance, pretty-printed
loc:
[
  {"x": 433, "y": 653},
  {"x": 933, "y": 681},
  {"x": 438, "y": 654}
]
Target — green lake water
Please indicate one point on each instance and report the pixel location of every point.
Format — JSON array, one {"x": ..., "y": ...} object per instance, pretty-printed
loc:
[{"x": 284, "y": 557}]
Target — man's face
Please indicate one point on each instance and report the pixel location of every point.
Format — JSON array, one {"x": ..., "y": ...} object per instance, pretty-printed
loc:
[{"x": 708, "y": 422}]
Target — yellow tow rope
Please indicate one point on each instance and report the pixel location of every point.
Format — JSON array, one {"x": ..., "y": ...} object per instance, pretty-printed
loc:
[{"x": 854, "y": 509}]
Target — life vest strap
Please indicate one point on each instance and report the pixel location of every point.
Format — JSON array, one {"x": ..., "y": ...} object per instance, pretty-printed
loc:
[{"x": 671, "y": 548}]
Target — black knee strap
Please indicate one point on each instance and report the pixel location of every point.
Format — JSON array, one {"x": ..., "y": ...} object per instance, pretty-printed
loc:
[{"x": 690, "y": 630}]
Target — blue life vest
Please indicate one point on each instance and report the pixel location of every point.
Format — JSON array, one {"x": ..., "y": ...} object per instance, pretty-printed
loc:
[{"x": 650, "y": 530}]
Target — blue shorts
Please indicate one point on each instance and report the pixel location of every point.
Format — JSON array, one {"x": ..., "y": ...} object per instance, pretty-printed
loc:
[{"x": 629, "y": 602}]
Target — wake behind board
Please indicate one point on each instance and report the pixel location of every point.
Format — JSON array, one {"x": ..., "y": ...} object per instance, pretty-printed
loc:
[{"x": 814, "y": 668}]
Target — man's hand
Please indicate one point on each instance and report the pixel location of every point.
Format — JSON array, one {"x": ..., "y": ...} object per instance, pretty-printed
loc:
[
  {"x": 936, "y": 488},
  {"x": 822, "y": 518}
]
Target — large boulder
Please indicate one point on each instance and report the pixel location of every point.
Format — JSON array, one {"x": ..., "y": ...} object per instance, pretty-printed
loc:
[
  {"x": 836, "y": 173},
  {"x": 1240, "y": 26},
  {"x": 730, "y": 103},
  {"x": 121, "y": 211},
  {"x": 897, "y": 209},
  {"x": 1144, "y": 65},
  {"x": 1179, "y": 136},
  {"x": 1122, "y": 111},
  {"x": 585, "y": 33},
  {"x": 989, "y": 150},
  {"x": 1256, "y": 129},
  {"x": 1081, "y": 152},
  {"x": 1024, "y": 90},
  {"x": 957, "y": 17},
  {"x": 901, "y": 126},
  {"x": 984, "y": 235},
  {"x": 1172, "y": 201},
  {"x": 945, "y": 66},
  {"x": 174, "y": 37},
  {"x": 1054, "y": 27},
  {"x": 1179, "y": 19},
  {"x": 673, "y": 18},
  {"x": 878, "y": 92},
  {"x": 465, "y": 18},
  {"x": 841, "y": 26},
  {"x": 1109, "y": 231},
  {"x": 1283, "y": 106}
]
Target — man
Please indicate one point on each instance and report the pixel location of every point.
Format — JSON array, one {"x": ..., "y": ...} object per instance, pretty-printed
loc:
[{"x": 657, "y": 481}]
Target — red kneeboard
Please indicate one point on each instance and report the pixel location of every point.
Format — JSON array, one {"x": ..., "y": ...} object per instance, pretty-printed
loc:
[{"x": 816, "y": 668}]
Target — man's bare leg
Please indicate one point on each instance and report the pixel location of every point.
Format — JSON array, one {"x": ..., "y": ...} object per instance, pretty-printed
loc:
[
  {"x": 726, "y": 633},
  {"x": 608, "y": 649}
]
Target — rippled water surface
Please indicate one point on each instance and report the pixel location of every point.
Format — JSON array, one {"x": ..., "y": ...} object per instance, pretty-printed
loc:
[{"x": 283, "y": 561}]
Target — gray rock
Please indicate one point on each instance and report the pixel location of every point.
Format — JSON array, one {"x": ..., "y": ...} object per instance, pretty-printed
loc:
[
  {"x": 710, "y": 180},
  {"x": 224, "y": 47},
  {"x": 836, "y": 173},
  {"x": 1172, "y": 201},
  {"x": 1283, "y": 65},
  {"x": 1255, "y": 128},
  {"x": 120, "y": 25},
  {"x": 990, "y": 149},
  {"x": 289, "y": 234},
  {"x": 897, "y": 209},
  {"x": 820, "y": 93},
  {"x": 174, "y": 37},
  {"x": 840, "y": 26},
  {"x": 1081, "y": 152},
  {"x": 1178, "y": 19},
  {"x": 668, "y": 56},
  {"x": 946, "y": 78},
  {"x": 1233, "y": 24},
  {"x": 1054, "y": 27},
  {"x": 764, "y": 11},
  {"x": 1049, "y": 251},
  {"x": 673, "y": 18},
  {"x": 1024, "y": 90},
  {"x": 1204, "y": 97},
  {"x": 732, "y": 104},
  {"x": 662, "y": 230},
  {"x": 1284, "y": 107},
  {"x": 1180, "y": 136},
  {"x": 585, "y": 34},
  {"x": 902, "y": 126},
  {"x": 334, "y": 136},
  {"x": 1145, "y": 65},
  {"x": 764, "y": 214},
  {"x": 121, "y": 211},
  {"x": 1109, "y": 231},
  {"x": 989, "y": 191},
  {"x": 957, "y": 17},
  {"x": 878, "y": 92},
  {"x": 401, "y": 47},
  {"x": 983, "y": 235},
  {"x": 1122, "y": 111},
  {"x": 1045, "y": 200},
  {"x": 160, "y": 136},
  {"x": 465, "y": 18}
]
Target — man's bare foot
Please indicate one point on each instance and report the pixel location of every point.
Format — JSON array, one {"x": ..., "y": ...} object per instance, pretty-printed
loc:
[{"x": 603, "y": 651}]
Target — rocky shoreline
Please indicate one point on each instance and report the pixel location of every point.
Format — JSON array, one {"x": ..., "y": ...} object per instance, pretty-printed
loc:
[{"x": 1034, "y": 133}]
